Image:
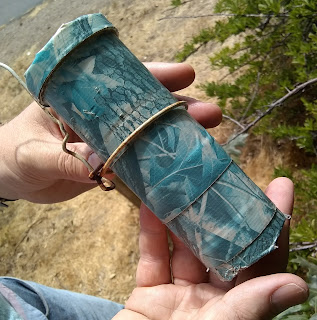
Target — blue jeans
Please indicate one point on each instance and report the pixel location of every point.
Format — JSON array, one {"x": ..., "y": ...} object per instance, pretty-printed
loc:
[{"x": 38, "y": 302}]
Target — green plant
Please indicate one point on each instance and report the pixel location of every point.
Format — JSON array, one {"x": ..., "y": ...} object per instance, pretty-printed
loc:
[
  {"x": 275, "y": 53},
  {"x": 176, "y": 3}
]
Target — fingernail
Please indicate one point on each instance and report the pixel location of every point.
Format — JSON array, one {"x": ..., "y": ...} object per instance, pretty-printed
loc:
[{"x": 288, "y": 296}]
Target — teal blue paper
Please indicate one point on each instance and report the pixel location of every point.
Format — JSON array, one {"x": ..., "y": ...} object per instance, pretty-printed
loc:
[
  {"x": 66, "y": 38},
  {"x": 176, "y": 168}
]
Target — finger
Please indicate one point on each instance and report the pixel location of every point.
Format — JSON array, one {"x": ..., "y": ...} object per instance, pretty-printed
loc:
[
  {"x": 44, "y": 141},
  {"x": 174, "y": 76},
  {"x": 72, "y": 168},
  {"x": 154, "y": 264},
  {"x": 186, "y": 267},
  {"x": 177, "y": 76},
  {"x": 209, "y": 115},
  {"x": 281, "y": 193},
  {"x": 265, "y": 297},
  {"x": 52, "y": 163}
]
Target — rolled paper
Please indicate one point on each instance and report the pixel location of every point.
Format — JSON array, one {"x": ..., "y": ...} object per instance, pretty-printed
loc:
[{"x": 104, "y": 93}]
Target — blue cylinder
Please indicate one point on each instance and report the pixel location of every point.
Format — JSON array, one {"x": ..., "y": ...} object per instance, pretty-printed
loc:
[{"x": 104, "y": 93}]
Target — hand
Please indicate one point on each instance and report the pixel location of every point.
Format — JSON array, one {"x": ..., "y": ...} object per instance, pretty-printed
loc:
[
  {"x": 33, "y": 165},
  {"x": 196, "y": 294}
]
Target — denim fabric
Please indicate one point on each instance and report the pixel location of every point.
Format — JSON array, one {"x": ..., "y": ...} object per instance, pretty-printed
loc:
[
  {"x": 56, "y": 304},
  {"x": 13, "y": 307}
]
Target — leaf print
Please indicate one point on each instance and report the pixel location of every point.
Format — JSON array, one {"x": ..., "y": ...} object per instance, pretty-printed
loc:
[{"x": 176, "y": 168}]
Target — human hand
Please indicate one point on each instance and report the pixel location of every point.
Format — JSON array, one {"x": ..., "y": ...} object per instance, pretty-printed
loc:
[
  {"x": 192, "y": 293},
  {"x": 33, "y": 165}
]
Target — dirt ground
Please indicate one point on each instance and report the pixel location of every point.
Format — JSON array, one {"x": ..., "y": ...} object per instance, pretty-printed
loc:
[{"x": 83, "y": 245}]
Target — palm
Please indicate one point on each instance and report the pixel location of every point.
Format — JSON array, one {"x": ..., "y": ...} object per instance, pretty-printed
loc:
[
  {"x": 193, "y": 293},
  {"x": 200, "y": 301}
]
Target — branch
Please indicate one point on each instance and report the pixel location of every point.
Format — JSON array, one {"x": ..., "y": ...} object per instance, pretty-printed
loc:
[
  {"x": 252, "y": 15},
  {"x": 27, "y": 233},
  {"x": 254, "y": 94},
  {"x": 298, "y": 246},
  {"x": 234, "y": 121},
  {"x": 257, "y": 56},
  {"x": 265, "y": 24},
  {"x": 192, "y": 52},
  {"x": 239, "y": 67},
  {"x": 272, "y": 106}
]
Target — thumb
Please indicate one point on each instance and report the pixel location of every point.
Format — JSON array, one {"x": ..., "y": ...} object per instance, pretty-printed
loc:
[
  {"x": 265, "y": 297},
  {"x": 68, "y": 167}
]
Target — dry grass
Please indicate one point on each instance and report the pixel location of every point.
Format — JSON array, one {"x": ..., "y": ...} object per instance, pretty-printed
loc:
[
  {"x": 13, "y": 97},
  {"x": 88, "y": 244}
]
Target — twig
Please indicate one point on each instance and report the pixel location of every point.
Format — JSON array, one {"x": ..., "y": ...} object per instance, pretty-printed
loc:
[
  {"x": 239, "y": 68},
  {"x": 254, "y": 94},
  {"x": 234, "y": 121},
  {"x": 192, "y": 52},
  {"x": 264, "y": 25},
  {"x": 27, "y": 233},
  {"x": 272, "y": 106},
  {"x": 251, "y": 15},
  {"x": 298, "y": 246},
  {"x": 255, "y": 57}
]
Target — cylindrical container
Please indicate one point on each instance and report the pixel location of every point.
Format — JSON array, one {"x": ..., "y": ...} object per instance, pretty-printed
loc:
[{"x": 88, "y": 76}]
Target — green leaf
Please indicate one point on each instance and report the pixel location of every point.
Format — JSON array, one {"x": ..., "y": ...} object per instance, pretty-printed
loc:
[
  {"x": 176, "y": 3},
  {"x": 290, "y": 312}
]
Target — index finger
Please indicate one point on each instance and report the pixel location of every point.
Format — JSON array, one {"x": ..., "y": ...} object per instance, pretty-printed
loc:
[{"x": 174, "y": 76}]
